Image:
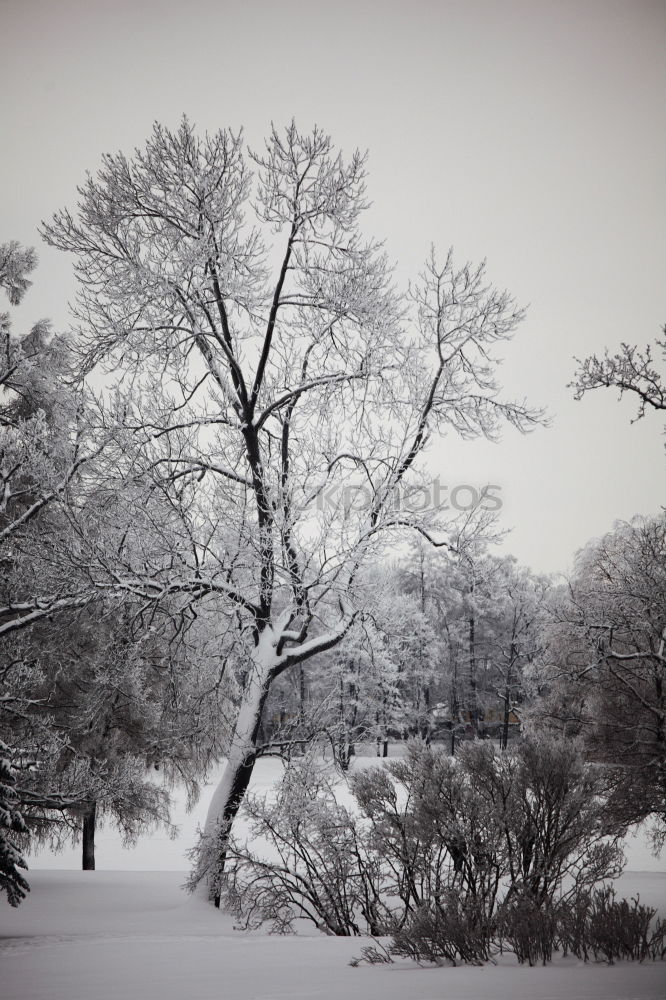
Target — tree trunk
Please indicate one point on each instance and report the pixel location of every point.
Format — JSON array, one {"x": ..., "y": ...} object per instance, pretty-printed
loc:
[
  {"x": 507, "y": 697},
  {"x": 661, "y": 714},
  {"x": 241, "y": 759},
  {"x": 454, "y": 706},
  {"x": 426, "y": 727},
  {"x": 88, "y": 838},
  {"x": 301, "y": 693},
  {"x": 473, "y": 696},
  {"x": 505, "y": 726}
]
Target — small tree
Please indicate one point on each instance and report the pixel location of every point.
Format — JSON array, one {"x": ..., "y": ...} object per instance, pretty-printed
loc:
[
  {"x": 514, "y": 634},
  {"x": 323, "y": 872},
  {"x": 105, "y": 700}
]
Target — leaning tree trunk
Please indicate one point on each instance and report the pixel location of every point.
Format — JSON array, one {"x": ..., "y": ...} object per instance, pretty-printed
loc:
[
  {"x": 88, "y": 838},
  {"x": 241, "y": 759}
]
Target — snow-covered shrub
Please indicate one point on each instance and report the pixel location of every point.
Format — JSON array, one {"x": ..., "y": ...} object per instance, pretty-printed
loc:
[
  {"x": 454, "y": 927},
  {"x": 309, "y": 860},
  {"x": 609, "y": 929},
  {"x": 454, "y": 859},
  {"x": 547, "y": 805},
  {"x": 493, "y": 843},
  {"x": 529, "y": 928},
  {"x": 438, "y": 841},
  {"x": 483, "y": 848}
]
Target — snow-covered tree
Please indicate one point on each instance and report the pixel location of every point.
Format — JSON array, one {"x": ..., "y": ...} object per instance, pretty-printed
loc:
[
  {"x": 484, "y": 611},
  {"x": 11, "y": 822},
  {"x": 274, "y": 391},
  {"x": 41, "y": 452},
  {"x": 102, "y": 700},
  {"x": 16, "y": 263},
  {"x": 604, "y": 672},
  {"x": 44, "y": 446},
  {"x": 514, "y": 634},
  {"x": 630, "y": 370},
  {"x": 52, "y": 639},
  {"x": 384, "y": 664}
]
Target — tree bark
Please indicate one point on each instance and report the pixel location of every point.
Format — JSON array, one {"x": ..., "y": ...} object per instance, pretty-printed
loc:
[
  {"x": 88, "y": 838},
  {"x": 507, "y": 697},
  {"x": 426, "y": 726},
  {"x": 425, "y": 721},
  {"x": 267, "y": 662},
  {"x": 473, "y": 699},
  {"x": 504, "y": 742},
  {"x": 302, "y": 691},
  {"x": 236, "y": 776}
]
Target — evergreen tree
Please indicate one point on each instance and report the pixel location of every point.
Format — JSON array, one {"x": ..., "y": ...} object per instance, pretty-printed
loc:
[{"x": 11, "y": 822}]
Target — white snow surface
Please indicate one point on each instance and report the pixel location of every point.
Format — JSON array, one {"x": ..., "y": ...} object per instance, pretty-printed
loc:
[{"x": 134, "y": 934}]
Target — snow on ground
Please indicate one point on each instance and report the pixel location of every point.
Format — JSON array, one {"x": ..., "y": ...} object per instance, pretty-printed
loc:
[{"x": 135, "y": 934}]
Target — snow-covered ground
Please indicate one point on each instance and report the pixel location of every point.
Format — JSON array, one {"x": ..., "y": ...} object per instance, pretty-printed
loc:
[{"x": 132, "y": 933}]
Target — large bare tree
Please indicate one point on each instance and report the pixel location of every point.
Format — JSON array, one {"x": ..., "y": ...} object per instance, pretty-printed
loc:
[{"x": 273, "y": 393}]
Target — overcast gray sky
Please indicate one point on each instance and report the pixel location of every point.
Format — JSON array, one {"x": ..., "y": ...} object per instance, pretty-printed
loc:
[{"x": 531, "y": 133}]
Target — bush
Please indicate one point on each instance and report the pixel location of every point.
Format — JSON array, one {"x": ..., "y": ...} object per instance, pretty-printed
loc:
[
  {"x": 454, "y": 928},
  {"x": 432, "y": 831},
  {"x": 323, "y": 871},
  {"x": 529, "y": 929},
  {"x": 454, "y": 859},
  {"x": 547, "y": 804},
  {"x": 611, "y": 929}
]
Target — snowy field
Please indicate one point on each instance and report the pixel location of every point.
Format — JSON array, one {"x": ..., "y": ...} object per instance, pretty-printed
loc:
[
  {"x": 158, "y": 852},
  {"x": 132, "y": 933}
]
